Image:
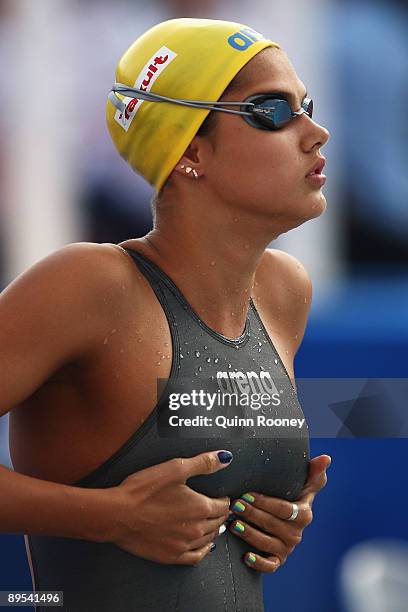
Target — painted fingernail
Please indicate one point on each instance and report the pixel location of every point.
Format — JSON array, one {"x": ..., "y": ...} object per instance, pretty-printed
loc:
[
  {"x": 224, "y": 456},
  {"x": 239, "y": 527},
  {"x": 251, "y": 558},
  {"x": 213, "y": 546},
  {"x": 238, "y": 506},
  {"x": 248, "y": 497}
]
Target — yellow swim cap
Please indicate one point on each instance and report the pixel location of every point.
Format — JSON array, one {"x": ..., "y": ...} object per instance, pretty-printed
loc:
[{"x": 191, "y": 59}]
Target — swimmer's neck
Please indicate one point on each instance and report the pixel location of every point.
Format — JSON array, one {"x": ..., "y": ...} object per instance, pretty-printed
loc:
[{"x": 216, "y": 271}]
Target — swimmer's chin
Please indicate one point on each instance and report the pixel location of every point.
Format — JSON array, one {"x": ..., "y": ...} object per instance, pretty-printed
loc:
[{"x": 318, "y": 208}]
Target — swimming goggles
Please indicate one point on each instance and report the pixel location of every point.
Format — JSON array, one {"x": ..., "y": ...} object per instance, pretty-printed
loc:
[{"x": 262, "y": 111}]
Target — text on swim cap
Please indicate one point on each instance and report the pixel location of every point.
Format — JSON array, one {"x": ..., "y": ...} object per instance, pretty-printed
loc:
[
  {"x": 244, "y": 38},
  {"x": 144, "y": 81}
]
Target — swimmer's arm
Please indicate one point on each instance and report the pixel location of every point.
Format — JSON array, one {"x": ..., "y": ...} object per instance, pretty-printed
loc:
[
  {"x": 55, "y": 312},
  {"x": 295, "y": 296},
  {"x": 288, "y": 297}
]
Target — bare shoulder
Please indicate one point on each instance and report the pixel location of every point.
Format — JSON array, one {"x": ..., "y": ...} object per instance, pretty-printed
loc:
[
  {"x": 56, "y": 312},
  {"x": 287, "y": 272},
  {"x": 81, "y": 265},
  {"x": 285, "y": 292}
]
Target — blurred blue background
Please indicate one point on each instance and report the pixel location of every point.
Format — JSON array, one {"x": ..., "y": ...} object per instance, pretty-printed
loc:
[{"x": 62, "y": 181}]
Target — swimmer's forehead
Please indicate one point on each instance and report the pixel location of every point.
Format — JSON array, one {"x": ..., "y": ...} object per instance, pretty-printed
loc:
[{"x": 271, "y": 71}]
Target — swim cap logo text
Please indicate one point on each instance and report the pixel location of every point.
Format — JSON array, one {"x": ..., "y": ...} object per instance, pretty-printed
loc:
[
  {"x": 147, "y": 76},
  {"x": 244, "y": 38}
]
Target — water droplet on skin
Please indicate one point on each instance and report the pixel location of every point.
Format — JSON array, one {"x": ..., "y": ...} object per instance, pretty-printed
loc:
[
  {"x": 200, "y": 368},
  {"x": 197, "y": 353},
  {"x": 216, "y": 360},
  {"x": 233, "y": 314},
  {"x": 246, "y": 246},
  {"x": 158, "y": 363},
  {"x": 167, "y": 356},
  {"x": 208, "y": 359},
  {"x": 287, "y": 352},
  {"x": 158, "y": 353},
  {"x": 113, "y": 331},
  {"x": 139, "y": 340},
  {"x": 105, "y": 341},
  {"x": 181, "y": 356},
  {"x": 166, "y": 344},
  {"x": 122, "y": 350},
  {"x": 212, "y": 263},
  {"x": 235, "y": 219}
]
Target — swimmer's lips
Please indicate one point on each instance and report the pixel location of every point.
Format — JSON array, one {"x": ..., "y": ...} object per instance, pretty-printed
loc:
[
  {"x": 315, "y": 174},
  {"x": 318, "y": 167}
]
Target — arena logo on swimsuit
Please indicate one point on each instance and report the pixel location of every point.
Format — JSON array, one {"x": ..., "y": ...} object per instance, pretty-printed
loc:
[
  {"x": 245, "y": 382},
  {"x": 147, "y": 76},
  {"x": 244, "y": 38}
]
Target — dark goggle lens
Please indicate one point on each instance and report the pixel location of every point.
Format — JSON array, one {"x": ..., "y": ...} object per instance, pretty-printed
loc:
[{"x": 275, "y": 112}]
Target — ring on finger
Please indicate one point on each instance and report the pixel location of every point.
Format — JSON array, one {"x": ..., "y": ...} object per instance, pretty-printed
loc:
[{"x": 295, "y": 512}]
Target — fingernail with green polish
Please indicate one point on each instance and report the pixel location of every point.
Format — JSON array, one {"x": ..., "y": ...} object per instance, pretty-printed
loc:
[
  {"x": 239, "y": 527},
  {"x": 238, "y": 506},
  {"x": 248, "y": 497},
  {"x": 251, "y": 558}
]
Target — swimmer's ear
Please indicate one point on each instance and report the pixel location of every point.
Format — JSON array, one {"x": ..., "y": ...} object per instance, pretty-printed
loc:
[{"x": 195, "y": 160}]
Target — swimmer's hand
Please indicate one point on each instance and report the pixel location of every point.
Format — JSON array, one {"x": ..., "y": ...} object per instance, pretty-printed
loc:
[
  {"x": 271, "y": 514},
  {"x": 158, "y": 517}
]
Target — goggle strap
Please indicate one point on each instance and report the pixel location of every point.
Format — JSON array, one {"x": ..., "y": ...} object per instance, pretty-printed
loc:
[{"x": 146, "y": 95}]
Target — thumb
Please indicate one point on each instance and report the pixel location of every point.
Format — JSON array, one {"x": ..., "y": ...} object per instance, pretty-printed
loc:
[
  {"x": 316, "y": 478},
  {"x": 318, "y": 465},
  {"x": 206, "y": 463}
]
